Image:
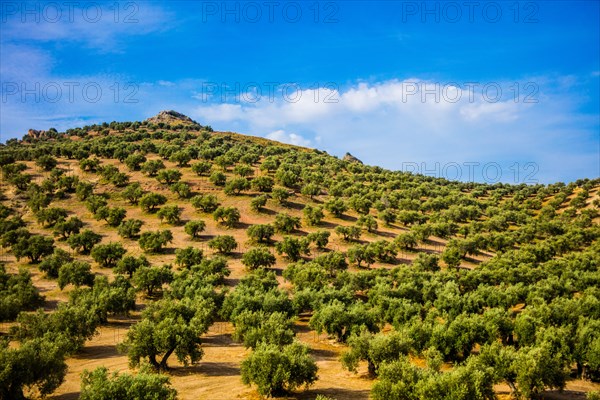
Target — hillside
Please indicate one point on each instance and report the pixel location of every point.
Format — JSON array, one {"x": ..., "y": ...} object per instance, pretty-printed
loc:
[{"x": 392, "y": 280}]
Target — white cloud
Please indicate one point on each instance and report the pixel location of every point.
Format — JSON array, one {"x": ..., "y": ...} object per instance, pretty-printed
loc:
[
  {"x": 291, "y": 138},
  {"x": 391, "y": 122},
  {"x": 96, "y": 25}
]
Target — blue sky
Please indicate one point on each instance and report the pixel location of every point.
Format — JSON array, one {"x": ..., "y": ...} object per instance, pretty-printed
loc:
[{"x": 482, "y": 91}]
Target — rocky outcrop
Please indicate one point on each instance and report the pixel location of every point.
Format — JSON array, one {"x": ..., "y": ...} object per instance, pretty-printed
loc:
[
  {"x": 35, "y": 134},
  {"x": 349, "y": 157},
  {"x": 172, "y": 117}
]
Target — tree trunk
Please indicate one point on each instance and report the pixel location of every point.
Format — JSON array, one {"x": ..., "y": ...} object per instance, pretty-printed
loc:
[
  {"x": 154, "y": 362},
  {"x": 163, "y": 362},
  {"x": 371, "y": 368}
]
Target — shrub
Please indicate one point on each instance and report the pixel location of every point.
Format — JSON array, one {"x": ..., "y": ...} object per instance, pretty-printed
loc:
[
  {"x": 228, "y": 216},
  {"x": 194, "y": 228},
  {"x": 260, "y": 233},
  {"x": 107, "y": 255},
  {"x": 275, "y": 370},
  {"x": 205, "y": 203},
  {"x": 258, "y": 203},
  {"x": 223, "y": 244},
  {"x": 153, "y": 242},
  {"x": 76, "y": 273},
  {"x": 84, "y": 242},
  {"x": 99, "y": 385},
  {"x": 258, "y": 257},
  {"x": 130, "y": 229},
  {"x": 149, "y": 202},
  {"x": 285, "y": 223},
  {"x": 171, "y": 214}
]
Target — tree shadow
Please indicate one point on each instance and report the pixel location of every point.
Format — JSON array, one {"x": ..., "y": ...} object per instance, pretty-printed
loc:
[
  {"x": 67, "y": 396},
  {"x": 336, "y": 393},
  {"x": 207, "y": 369},
  {"x": 242, "y": 225},
  {"x": 323, "y": 353},
  {"x": 347, "y": 218},
  {"x": 384, "y": 233},
  {"x": 100, "y": 351},
  {"x": 267, "y": 211},
  {"x": 293, "y": 205},
  {"x": 327, "y": 225}
]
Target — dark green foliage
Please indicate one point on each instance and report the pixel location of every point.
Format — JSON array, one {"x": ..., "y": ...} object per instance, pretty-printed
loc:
[
  {"x": 258, "y": 257},
  {"x": 258, "y": 203},
  {"x": 133, "y": 193},
  {"x": 188, "y": 256},
  {"x": 236, "y": 186},
  {"x": 170, "y": 214},
  {"x": 285, "y": 223},
  {"x": 168, "y": 176},
  {"x": 275, "y": 370},
  {"x": 281, "y": 195},
  {"x": 260, "y": 233},
  {"x": 401, "y": 380},
  {"x": 133, "y": 161},
  {"x": 84, "y": 242},
  {"x": 375, "y": 349},
  {"x": 93, "y": 203},
  {"x": 130, "y": 228},
  {"x": 340, "y": 320},
  {"x": 48, "y": 217},
  {"x": 99, "y": 385},
  {"x": 64, "y": 229},
  {"x": 218, "y": 178},
  {"x": 319, "y": 238},
  {"x": 150, "y": 201},
  {"x": 224, "y": 244},
  {"x": 107, "y": 255},
  {"x": 311, "y": 190},
  {"x": 38, "y": 363},
  {"x": 194, "y": 228},
  {"x": 151, "y": 279},
  {"x": 51, "y": 264},
  {"x": 76, "y": 273},
  {"x": 205, "y": 203},
  {"x": 227, "y": 216},
  {"x": 152, "y": 167},
  {"x": 130, "y": 264},
  {"x": 348, "y": 233},
  {"x": 201, "y": 168},
  {"x": 84, "y": 190},
  {"x": 313, "y": 215},
  {"x": 33, "y": 247},
  {"x": 359, "y": 254},
  {"x": 17, "y": 293},
  {"x": 46, "y": 162},
  {"x": 262, "y": 184},
  {"x": 253, "y": 328},
  {"x": 112, "y": 215},
  {"x": 367, "y": 222},
  {"x": 153, "y": 242},
  {"x": 182, "y": 190},
  {"x": 167, "y": 327},
  {"x": 182, "y": 158},
  {"x": 292, "y": 247},
  {"x": 426, "y": 262}
]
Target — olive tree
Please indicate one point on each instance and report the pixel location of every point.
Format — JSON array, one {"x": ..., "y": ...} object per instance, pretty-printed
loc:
[
  {"x": 258, "y": 257},
  {"x": 167, "y": 327},
  {"x": 100, "y": 385},
  {"x": 275, "y": 370},
  {"x": 107, "y": 255}
]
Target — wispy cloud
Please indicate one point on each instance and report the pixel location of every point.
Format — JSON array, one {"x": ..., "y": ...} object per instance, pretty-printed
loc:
[
  {"x": 389, "y": 123},
  {"x": 102, "y": 27}
]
